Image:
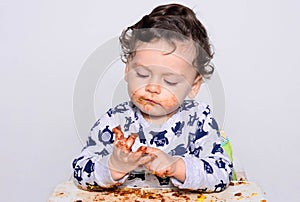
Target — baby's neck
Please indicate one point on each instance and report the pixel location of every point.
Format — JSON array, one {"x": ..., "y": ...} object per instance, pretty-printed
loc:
[{"x": 158, "y": 120}]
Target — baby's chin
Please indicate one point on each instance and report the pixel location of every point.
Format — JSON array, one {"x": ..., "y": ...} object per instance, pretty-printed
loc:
[{"x": 156, "y": 114}]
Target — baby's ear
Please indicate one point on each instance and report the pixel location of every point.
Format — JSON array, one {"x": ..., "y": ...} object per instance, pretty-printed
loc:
[{"x": 195, "y": 87}]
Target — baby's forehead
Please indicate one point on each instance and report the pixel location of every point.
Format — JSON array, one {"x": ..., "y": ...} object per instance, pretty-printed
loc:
[{"x": 185, "y": 49}]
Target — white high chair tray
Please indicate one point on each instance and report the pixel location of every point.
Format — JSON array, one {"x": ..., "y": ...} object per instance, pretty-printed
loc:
[{"x": 237, "y": 191}]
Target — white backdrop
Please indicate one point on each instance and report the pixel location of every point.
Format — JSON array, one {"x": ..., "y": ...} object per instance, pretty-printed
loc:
[{"x": 43, "y": 45}]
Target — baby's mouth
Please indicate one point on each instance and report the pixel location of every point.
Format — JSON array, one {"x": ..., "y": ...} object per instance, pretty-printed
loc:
[{"x": 147, "y": 101}]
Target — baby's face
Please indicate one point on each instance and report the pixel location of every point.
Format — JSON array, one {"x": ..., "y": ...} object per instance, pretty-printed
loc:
[{"x": 158, "y": 81}]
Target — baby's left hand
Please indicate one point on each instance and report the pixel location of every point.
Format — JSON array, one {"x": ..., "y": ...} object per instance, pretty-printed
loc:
[{"x": 163, "y": 165}]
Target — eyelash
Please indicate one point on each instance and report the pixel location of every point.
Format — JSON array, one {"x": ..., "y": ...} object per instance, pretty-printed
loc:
[
  {"x": 171, "y": 83},
  {"x": 141, "y": 75},
  {"x": 167, "y": 82}
]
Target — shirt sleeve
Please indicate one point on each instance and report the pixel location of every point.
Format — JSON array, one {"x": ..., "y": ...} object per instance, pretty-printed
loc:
[
  {"x": 211, "y": 170},
  {"x": 90, "y": 168}
]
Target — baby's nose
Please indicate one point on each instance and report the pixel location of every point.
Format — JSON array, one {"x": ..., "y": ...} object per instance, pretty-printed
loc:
[{"x": 153, "y": 88}]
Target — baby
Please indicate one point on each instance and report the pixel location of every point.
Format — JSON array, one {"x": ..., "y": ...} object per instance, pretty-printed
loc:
[{"x": 159, "y": 138}]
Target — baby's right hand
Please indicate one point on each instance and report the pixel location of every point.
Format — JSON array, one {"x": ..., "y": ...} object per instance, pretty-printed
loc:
[{"x": 123, "y": 160}]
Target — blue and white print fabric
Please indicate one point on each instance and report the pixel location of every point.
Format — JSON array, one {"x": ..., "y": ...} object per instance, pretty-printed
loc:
[{"x": 191, "y": 133}]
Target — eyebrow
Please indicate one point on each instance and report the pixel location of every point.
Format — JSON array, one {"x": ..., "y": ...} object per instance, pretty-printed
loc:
[{"x": 135, "y": 64}]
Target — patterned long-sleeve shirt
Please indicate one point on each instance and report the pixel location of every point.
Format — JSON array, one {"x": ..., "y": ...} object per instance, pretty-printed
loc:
[{"x": 191, "y": 134}]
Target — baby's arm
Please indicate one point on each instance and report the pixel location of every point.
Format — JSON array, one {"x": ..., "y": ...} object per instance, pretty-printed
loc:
[
  {"x": 204, "y": 173},
  {"x": 212, "y": 170}
]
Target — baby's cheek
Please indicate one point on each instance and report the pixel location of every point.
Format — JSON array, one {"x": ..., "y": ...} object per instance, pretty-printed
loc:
[
  {"x": 135, "y": 96},
  {"x": 170, "y": 103}
]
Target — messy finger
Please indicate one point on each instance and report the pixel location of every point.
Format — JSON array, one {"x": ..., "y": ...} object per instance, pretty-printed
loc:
[
  {"x": 120, "y": 143},
  {"x": 130, "y": 141},
  {"x": 138, "y": 153},
  {"x": 151, "y": 150},
  {"x": 118, "y": 132},
  {"x": 141, "y": 150}
]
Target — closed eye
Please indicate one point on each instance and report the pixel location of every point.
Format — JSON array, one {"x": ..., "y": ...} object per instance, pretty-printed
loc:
[
  {"x": 141, "y": 75},
  {"x": 171, "y": 83}
]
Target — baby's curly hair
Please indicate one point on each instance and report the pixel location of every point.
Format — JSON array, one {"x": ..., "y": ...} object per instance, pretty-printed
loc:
[{"x": 170, "y": 22}]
